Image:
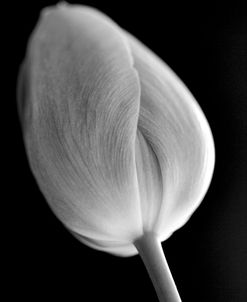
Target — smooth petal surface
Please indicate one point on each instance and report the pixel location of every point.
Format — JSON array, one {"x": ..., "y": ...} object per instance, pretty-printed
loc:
[
  {"x": 178, "y": 136},
  {"x": 84, "y": 98}
]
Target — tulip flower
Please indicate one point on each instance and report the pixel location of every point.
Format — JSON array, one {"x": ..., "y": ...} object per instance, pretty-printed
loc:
[{"x": 118, "y": 146}]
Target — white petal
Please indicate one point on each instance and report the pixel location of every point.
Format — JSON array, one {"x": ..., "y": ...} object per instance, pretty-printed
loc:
[
  {"x": 84, "y": 102},
  {"x": 177, "y": 131}
]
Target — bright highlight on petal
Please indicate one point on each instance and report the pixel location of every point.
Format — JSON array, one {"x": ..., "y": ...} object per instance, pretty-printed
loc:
[{"x": 118, "y": 145}]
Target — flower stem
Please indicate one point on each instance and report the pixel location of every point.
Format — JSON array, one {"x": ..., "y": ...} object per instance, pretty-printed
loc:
[{"x": 151, "y": 252}]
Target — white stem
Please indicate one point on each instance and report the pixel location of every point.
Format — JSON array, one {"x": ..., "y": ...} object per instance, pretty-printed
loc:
[{"x": 151, "y": 252}]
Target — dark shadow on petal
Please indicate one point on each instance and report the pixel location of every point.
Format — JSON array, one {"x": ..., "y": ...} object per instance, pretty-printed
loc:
[{"x": 23, "y": 95}]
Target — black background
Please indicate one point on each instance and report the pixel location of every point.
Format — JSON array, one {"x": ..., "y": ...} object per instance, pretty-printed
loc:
[{"x": 205, "y": 44}]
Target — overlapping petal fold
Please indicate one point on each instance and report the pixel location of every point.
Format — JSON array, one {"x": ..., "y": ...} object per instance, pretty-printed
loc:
[{"x": 118, "y": 145}]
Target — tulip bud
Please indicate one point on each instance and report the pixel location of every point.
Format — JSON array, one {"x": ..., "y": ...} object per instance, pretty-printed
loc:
[{"x": 118, "y": 145}]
